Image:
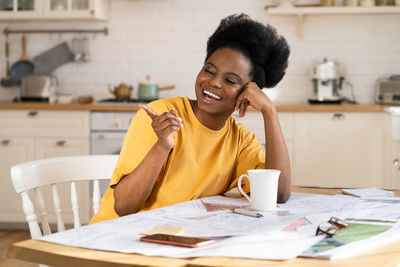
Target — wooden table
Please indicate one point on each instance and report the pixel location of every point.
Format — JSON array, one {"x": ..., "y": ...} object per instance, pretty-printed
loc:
[{"x": 60, "y": 255}]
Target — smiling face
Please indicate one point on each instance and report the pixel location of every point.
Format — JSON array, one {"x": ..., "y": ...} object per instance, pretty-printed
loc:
[{"x": 219, "y": 83}]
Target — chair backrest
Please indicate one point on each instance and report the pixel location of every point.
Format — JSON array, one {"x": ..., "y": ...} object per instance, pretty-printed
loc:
[{"x": 30, "y": 176}]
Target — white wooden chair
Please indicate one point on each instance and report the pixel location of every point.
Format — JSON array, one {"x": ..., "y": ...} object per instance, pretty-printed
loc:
[{"x": 30, "y": 176}]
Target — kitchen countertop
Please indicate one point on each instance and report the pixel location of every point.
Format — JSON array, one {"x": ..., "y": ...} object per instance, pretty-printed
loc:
[{"x": 135, "y": 107}]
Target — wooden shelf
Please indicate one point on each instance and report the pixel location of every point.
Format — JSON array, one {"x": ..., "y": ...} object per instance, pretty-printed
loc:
[
  {"x": 337, "y": 10},
  {"x": 301, "y": 12}
]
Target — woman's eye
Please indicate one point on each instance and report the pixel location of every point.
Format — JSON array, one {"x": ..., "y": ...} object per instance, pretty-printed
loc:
[
  {"x": 208, "y": 71},
  {"x": 231, "y": 81}
]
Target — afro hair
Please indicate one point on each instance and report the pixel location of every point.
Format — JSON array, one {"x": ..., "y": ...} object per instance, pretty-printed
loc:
[{"x": 266, "y": 50}]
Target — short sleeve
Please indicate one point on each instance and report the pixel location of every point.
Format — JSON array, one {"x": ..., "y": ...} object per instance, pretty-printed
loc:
[
  {"x": 137, "y": 142},
  {"x": 251, "y": 156}
]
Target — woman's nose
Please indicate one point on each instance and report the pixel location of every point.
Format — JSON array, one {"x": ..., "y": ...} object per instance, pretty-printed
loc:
[{"x": 215, "y": 82}]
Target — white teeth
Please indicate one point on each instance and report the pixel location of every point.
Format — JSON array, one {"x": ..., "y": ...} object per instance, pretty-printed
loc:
[{"x": 211, "y": 94}]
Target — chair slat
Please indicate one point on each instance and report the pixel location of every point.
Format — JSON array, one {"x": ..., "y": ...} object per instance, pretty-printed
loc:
[
  {"x": 75, "y": 205},
  {"x": 96, "y": 196},
  {"x": 42, "y": 212},
  {"x": 31, "y": 217},
  {"x": 57, "y": 208}
]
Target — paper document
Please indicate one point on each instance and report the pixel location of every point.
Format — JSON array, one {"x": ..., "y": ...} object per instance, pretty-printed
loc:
[
  {"x": 368, "y": 192},
  {"x": 281, "y": 234}
]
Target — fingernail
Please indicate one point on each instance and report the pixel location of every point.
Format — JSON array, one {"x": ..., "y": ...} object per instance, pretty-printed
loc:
[
  {"x": 181, "y": 125},
  {"x": 179, "y": 119}
]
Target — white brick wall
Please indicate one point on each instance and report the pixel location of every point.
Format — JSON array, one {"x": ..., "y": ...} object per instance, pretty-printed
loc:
[{"x": 167, "y": 39}]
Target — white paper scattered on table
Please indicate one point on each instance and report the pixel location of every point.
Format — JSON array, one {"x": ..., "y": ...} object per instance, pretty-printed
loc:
[
  {"x": 368, "y": 192},
  {"x": 281, "y": 234}
]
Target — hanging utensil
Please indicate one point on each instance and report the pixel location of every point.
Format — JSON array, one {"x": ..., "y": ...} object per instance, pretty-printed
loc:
[
  {"x": 21, "y": 67},
  {"x": 6, "y": 81},
  {"x": 48, "y": 61}
]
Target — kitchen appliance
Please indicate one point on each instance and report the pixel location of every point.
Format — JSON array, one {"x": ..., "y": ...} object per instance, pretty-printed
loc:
[
  {"x": 327, "y": 82},
  {"x": 107, "y": 132},
  {"x": 148, "y": 90},
  {"x": 387, "y": 90},
  {"x": 38, "y": 87}
]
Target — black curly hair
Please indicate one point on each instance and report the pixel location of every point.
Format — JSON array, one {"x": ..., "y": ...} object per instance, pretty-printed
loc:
[{"x": 267, "y": 52}]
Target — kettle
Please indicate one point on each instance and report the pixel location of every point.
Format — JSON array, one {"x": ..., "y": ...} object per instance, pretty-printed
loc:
[{"x": 122, "y": 91}]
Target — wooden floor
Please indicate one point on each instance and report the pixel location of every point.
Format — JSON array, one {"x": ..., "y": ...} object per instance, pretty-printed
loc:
[{"x": 6, "y": 239}]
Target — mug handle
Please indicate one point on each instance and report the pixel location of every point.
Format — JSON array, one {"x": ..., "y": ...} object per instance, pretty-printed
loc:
[{"x": 240, "y": 186}]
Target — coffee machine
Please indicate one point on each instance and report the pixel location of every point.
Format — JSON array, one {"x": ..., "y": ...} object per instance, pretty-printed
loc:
[{"x": 327, "y": 83}]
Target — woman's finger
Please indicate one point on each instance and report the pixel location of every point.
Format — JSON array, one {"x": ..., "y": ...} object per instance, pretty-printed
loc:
[
  {"x": 170, "y": 130},
  {"x": 241, "y": 107},
  {"x": 239, "y": 100},
  {"x": 168, "y": 116},
  {"x": 244, "y": 108},
  {"x": 149, "y": 111},
  {"x": 161, "y": 125}
]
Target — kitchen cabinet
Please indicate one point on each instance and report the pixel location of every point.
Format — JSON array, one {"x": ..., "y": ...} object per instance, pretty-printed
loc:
[
  {"x": 392, "y": 155},
  {"x": 339, "y": 149},
  {"x": 19, "y": 9},
  {"x": 254, "y": 122},
  {"x": 334, "y": 149},
  {"x": 54, "y": 9},
  {"x": 76, "y": 9},
  {"x": 29, "y": 135},
  {"x": 392, "y": 165},
  {"x": 12, "y": 151}
]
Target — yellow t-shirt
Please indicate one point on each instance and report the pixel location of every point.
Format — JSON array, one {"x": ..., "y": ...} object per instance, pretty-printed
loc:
[{"x": 202, "y": 163}]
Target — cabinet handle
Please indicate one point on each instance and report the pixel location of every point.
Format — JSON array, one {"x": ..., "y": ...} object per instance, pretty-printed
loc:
[
  {"x": 61, "y": 143},
  {"x": 338, "y": 116},
  {"x": 33, "y": 113},
  {"x": 396, "y": 162},
  {"x": 7, "y": 142},
  {"x": 117, "y": 124}
]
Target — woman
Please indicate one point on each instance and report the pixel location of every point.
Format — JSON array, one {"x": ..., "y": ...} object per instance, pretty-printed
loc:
[{"x": 178, "y": 149}]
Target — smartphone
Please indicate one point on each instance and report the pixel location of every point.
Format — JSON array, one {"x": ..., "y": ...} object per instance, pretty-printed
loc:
[{"x": 183, "y": 241}]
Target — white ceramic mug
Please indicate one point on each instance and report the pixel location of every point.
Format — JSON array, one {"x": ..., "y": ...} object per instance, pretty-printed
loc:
[{"x": 263, "y": 188}]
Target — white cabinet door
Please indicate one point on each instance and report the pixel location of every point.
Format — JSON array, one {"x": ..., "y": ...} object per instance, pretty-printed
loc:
[
  {"x": 20, "y": 9},
  {"x": 13, "y": 150},
  {"x": 392, "y": 154},
  {"x": 393, "y": 167},
  {"x": 396, "y": 165},
  {"x": 27, "y": 135},
  {"x": 54, "y": 9},
  {"x": 254, "y": 121},
  {"x": 339, "y": 149},
  {"x": 76, "y": 9},
  {"x": 60, "y": 147}
]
